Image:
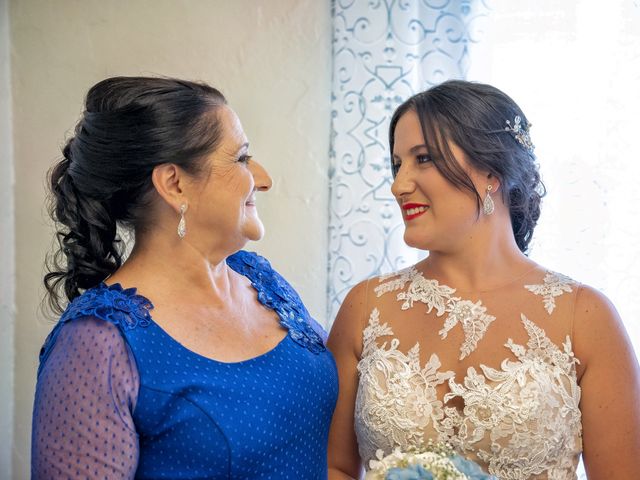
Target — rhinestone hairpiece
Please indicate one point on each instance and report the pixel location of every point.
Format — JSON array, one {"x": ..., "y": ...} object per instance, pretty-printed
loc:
[{"x": 520, "y": 132}]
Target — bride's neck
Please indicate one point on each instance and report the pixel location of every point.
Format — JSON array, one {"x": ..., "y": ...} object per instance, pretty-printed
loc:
[{"x": 477, "y": 267}]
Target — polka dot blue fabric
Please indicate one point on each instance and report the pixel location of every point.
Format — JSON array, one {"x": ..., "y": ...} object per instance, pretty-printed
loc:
[{"x": 117, "y": 397}]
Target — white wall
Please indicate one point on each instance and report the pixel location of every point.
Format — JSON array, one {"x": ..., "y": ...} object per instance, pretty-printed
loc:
[
  {"x": 270, "y": 58},
  {"x": 7, "y": 248}
]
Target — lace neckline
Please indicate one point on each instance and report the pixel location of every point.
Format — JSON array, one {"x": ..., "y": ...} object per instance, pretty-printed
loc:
[
  {"x": 554, "y": 285},
  {"x": 504, "y": 284},
  {"x": 538, "y": 346},
  {"x": 472, "y": 316}
]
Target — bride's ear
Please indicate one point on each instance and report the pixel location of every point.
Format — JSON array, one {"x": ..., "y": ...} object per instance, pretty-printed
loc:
[{"x": 494, "y": 182}]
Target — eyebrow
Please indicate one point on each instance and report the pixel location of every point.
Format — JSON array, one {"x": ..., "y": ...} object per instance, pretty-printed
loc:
[
  {"x": 414, "y": 150},
  {"x": 417, "y": 148}
]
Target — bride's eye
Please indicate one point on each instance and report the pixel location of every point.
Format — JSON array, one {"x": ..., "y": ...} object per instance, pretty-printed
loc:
[
  {"x": 423, "y": 158},
  {"x": 395, "y": 167}
]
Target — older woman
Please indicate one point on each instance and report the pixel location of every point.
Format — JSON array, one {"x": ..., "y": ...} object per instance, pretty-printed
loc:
[
  {"x": 517, "y": 367},
  {"x": 192, "y": 358}
]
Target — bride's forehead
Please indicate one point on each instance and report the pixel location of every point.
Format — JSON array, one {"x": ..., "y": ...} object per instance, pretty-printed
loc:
[
  {"x": 408, "y": 124},
  {"x": 409, "y": 132},
  {"x": 408, "y": 135}
]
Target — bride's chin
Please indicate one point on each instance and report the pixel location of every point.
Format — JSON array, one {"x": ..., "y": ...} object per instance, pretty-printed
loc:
[{"x": 420, "y": 242}]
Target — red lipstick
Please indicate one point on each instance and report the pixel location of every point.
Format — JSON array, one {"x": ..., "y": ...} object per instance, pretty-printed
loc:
[{"x": 416, "y": 210}]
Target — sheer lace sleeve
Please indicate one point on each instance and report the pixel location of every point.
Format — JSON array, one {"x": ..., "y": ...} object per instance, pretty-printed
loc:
[{"x": 85, "y": 396}]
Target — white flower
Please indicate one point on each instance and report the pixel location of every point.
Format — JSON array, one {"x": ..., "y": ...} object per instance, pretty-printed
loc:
[{"x": 436, "y": 461}]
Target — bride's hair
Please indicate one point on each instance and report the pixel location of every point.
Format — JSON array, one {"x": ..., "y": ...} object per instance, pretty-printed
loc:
[
  {"x": 129, "y": 126},
  {"x": 480, "y": 119}
]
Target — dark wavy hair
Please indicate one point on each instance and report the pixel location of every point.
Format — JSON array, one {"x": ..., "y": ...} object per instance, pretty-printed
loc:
[
  {"x": 474, "y": 116},
  {"x": 129, "y": 126}
]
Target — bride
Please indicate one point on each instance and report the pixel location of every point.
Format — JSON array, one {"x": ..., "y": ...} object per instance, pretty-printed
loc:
[{"x": 518, "y": 368}]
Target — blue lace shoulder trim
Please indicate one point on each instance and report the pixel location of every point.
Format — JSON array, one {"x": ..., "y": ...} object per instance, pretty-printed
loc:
[
  {"x": 123, "y": 307},
  {"x": 275, "y": 293}
]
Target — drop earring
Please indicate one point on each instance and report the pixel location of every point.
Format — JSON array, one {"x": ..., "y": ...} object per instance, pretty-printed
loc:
[
  {"x": 182, "y": 225},
  {"x": 488, "y": 206}
]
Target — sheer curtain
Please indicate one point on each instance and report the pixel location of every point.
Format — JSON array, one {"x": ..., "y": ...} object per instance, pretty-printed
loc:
[{"x": 384, "y": 51}]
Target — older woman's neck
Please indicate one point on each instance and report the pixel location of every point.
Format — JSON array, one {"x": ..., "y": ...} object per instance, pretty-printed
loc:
[{"x": 177, "y": 265}]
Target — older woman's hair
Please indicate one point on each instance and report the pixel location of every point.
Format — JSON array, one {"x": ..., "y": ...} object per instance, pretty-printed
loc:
[
  {"x": 474, "y": 116},
  {"x": 129, "y": 126}
]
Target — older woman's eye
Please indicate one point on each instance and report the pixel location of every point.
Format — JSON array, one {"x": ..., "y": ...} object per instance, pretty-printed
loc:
[{"x": 244, "y": 158}]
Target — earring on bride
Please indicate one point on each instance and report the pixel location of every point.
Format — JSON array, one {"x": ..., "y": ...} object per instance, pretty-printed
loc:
[
  {"x": 487, "y": 205},
  {"x": 182, "y": 225}
]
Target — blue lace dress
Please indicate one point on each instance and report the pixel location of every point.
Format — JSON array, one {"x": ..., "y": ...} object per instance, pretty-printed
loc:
[{"x": 117, "y": 397}]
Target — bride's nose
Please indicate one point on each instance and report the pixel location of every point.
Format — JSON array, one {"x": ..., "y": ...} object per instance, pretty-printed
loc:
[{"x": 403, "y": 183}]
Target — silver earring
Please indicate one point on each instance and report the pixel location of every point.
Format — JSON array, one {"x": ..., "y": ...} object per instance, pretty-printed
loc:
[
  {"x": 182, "y": 226},
  {"x": 487, "y": 205}
]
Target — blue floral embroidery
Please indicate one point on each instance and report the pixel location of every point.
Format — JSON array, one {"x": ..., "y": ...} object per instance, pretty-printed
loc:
[
  {"x": 111, "y": 303},
  {"x": 124, "y": 308},
  {"x": 275, "y": 292}
]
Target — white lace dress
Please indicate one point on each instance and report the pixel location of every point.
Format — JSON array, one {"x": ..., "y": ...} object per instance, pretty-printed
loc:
[{"x": 518, "y": 418}]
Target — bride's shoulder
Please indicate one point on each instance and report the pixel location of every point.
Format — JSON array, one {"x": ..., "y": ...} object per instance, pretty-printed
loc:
[
  {"x": 361, "y": 294},
  {"x": 552, "y": 282},
  {"x": 356, "y": 300},
  {"x": 355, "y": 311},
  {"x": 551, "y": 277},
  {"x": 597, "y": 326},
  {"x": 593, "y": 307}
]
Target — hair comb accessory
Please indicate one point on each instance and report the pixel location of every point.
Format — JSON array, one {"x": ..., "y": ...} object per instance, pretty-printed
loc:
[{"x": 520, "y": 132}]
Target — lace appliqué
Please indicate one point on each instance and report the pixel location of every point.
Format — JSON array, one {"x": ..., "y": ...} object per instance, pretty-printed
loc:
[
  {"x": 274, "y": 292},
  {"x": 523, "y": 419},
  {"x": 472, "y": 317},
  {"x": 397, "y": 399},
  {"x": 555, "y": 284},
  {"x": 123, "y": 307},
  {"x": 474, "y": 322}
]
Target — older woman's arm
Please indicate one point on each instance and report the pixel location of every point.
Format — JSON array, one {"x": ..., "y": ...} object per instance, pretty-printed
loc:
[
  {"x": 610, "y": 386},
  {"x": 86, "y": 392}
]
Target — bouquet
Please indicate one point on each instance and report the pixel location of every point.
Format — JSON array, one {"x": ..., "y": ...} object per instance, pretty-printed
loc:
[{"x": 437, "y": 462}]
